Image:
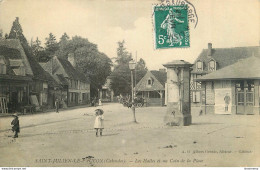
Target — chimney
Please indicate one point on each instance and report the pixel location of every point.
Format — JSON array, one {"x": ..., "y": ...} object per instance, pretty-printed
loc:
[
  {"x": 209, "y": 49},
  {"x": 163, "y": 70},
  {"x": 71, "y": 59}
]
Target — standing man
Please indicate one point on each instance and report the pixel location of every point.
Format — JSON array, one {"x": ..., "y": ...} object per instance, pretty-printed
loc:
[
  {"x": 95, "y": 101},
  {"x": 57, "y": 105},
  {"x": 16, "y": 125},
  {"x": 227, "y": 101}
]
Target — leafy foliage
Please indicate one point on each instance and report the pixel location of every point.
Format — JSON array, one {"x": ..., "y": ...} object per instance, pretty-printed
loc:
[
  {"x": 16, "y": 32},
  {"x": 88, "y": 59},
  {"x": 51, "y": 45},
  {"x": 64, "y": 38},
  {"x": 38, "y": 50},
  {"x": 123, "y": 56},
  {"x": 1, "y": 33},
  {"x": 121, "y": 76}
]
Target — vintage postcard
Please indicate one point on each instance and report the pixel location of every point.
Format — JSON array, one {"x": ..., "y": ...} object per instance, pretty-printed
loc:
[{"x": 128, "y": 83}]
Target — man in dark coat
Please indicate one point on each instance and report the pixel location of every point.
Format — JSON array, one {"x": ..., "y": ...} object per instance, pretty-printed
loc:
[
  {"x": 57, "y": 105},
  {"x": 16, "y": 126}
]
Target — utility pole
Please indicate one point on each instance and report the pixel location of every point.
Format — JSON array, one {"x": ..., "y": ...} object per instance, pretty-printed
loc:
[{"x": 135, "y": 73}]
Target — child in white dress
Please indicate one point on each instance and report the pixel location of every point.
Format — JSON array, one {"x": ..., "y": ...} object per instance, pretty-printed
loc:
[{"x": 99, "y": 125}]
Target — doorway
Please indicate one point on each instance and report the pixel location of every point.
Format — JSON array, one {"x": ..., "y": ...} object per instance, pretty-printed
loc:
[{"x": 245, "y": 96}]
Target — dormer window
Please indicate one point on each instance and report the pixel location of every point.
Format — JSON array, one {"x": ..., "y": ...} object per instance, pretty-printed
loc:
[
  {"x": 2, "y": 65},
  {"x": 150, "y": 81},
  {"x": 199, "y": 66},
  {"x": 18, "y": 67},
  {"x": 212, "y": 65},
  {"x": 22, "y": 71}
]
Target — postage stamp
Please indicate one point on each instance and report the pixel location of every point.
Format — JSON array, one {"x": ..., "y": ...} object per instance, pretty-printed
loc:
[{"x": 171, "y": 27}]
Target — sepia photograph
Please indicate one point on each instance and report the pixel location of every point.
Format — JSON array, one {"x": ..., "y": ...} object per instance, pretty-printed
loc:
[{"x": 128, "y": 83}]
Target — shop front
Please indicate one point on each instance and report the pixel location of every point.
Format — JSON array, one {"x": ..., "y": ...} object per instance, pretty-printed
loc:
[
  {"x": 14, "y": 93},
  {"x": 233, "y": 89}
]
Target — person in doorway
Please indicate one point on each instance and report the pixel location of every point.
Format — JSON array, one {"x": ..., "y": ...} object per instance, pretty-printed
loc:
[
  {"x": 99, "y": 125},
  {"x": 16, "y": 125},
  {"x": 57, "y": 105},
  {"x": 227, "y": 101}
]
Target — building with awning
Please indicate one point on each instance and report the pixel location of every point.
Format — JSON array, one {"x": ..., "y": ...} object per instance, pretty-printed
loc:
[{"x": 233, "y": 89}]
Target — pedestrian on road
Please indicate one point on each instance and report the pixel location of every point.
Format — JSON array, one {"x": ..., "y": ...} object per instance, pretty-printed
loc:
[
  {"x": 99, "y": 125},
  {"x": 57, "y": 105},
  {"x": 16, "y": 125},
  {"x": 95, "y": 101}
]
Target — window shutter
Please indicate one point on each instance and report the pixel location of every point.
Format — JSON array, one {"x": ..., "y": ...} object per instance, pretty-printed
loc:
[
  {"x": 194, "y": 97},
  {"x": 198, "y": 96}
]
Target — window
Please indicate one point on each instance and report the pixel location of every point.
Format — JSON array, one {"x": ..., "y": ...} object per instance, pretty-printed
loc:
[
  {"x": 150, "y": 81},
  {"x": 198, "y": 83},
  {"x": 196, "y": 96},
  {"x": 199, "y": 66},
  {"x": 245, "y": 93},
  {"x": 2, "y": 65},
  {"x": 2, "y": 68},
  {"x": 212, "y": 65}
]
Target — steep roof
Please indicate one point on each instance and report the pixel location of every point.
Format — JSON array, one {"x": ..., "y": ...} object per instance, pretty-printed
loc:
[
  {"x": 38, "y": 72},
  {"x": 243, "y": 69},
  {"x": 225, "y": 56},
  {"x": 12, "y": 49},
  {"x": 71, "y": 71},
  {"x": 159, "y": 80},
  {"x": 160, "y": 76},
  {"x": 61, "y": 79}
]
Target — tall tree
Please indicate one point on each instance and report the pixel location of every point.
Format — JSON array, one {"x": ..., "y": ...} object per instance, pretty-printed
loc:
[
  {"x": 123, "y": 56},
  {"x": 51, "y": 46},
  {"x": 16, "y": 32},
  {"x": 38, "y": 50},
  {"x": 141, "y": 70},
  {"x": 121, "y": 77},
  {"x": 64, "y": 38}
]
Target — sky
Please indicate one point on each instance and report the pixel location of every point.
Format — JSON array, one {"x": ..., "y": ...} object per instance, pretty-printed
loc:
[{"x": 224, "y": 23}]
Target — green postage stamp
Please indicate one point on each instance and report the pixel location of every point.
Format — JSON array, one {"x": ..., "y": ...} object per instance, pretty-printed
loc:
[{"x": 171, "y": 27}]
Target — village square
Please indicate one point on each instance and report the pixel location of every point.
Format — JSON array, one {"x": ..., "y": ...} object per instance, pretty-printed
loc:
[
  {"x": 79, "y": 101},
  {"x": 68, "y": 139}
]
